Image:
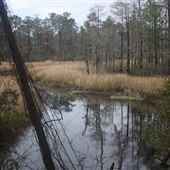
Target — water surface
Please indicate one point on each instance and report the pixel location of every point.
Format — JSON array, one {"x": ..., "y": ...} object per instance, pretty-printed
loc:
[{"x": 87, "y": 134}]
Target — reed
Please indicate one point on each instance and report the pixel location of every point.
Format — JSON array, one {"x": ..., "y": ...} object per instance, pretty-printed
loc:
[{"x": 74, "y": 74}]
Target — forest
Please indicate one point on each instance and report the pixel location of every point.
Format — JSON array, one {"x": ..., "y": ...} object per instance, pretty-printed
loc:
[
  {"x": 84, "y": 96},
  {"x": 135, "y": 33}
]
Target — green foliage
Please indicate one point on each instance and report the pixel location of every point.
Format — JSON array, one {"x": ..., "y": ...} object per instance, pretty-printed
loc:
[
  {"x": 11, "y": 120},
  {"x": 166, "y": 91},
  {"x": 158, "y": 132},
  {"x": 148, "y": 70}
]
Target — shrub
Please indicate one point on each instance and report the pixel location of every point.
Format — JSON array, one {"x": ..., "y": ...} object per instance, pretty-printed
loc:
[{"x": 11, "y": 120}]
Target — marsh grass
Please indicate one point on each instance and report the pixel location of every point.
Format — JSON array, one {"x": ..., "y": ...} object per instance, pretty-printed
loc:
[
  {"x": 9, "y": 83},
  {"x": 74, "y": 74},
  {"x": 5, "y": 66}
]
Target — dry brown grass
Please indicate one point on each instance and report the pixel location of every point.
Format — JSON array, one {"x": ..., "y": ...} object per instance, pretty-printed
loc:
[
  {"x": 5, "y": 66},
  {"x": 10, "y": 83},
  {"x": 74, "y": 74},
  {"x": 7, "y": 82}
]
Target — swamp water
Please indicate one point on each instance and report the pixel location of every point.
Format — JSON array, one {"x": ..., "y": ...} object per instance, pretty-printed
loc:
[{"x": 87, "y": 134}]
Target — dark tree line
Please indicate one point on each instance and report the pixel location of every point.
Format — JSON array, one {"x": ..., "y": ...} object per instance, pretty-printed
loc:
[{"x": 135, "y": 38}]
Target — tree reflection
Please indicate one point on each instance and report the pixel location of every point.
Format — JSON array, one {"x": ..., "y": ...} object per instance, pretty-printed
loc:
[
  {"x": 126, "y": 122},
  {"x": 122, "y": 126},
  {"x": 116, "y": 135},
  {"x": 63, "y": 103}
]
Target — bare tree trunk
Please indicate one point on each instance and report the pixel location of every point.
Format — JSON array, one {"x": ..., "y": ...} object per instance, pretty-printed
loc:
[
  {"x": 128, "y": 43},
  {"x": 168, "y": 37},
  {"x": 25, "y": 87},
  {"x": 29, "y": 44},
  {"x": 149, "y": 46},
  {"x": 60, "y": 43},
  {"x": 87, "y": 66},
  {"x": 113, "y": 62},
  {"x": 96, "y": 62},
  {"x": 141, "y": 37},
  {"x": 155, "y": 42},
  {"x": 122, "y": 46},
  {"x": 106, "y": 55}
]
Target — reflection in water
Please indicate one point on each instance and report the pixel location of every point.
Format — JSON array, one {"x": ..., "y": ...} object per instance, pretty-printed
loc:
[{"x": 91, "y": 135}]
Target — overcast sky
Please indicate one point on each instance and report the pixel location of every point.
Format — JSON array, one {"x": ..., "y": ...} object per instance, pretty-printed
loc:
[{"x": 78, "y": 8}]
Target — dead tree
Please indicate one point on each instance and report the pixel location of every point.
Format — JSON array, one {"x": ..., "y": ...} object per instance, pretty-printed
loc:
[
  {"x": 168, "y": 37},
  {"x": 26, "y": 89}
]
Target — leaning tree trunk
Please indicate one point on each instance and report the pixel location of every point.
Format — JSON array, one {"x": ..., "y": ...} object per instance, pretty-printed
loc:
[
  {"x": 26, "y": 89},
  {"x": 168, "y": 37}
]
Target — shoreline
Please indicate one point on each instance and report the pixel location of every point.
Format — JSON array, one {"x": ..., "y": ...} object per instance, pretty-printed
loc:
[{"x": 70, "y": 90}]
